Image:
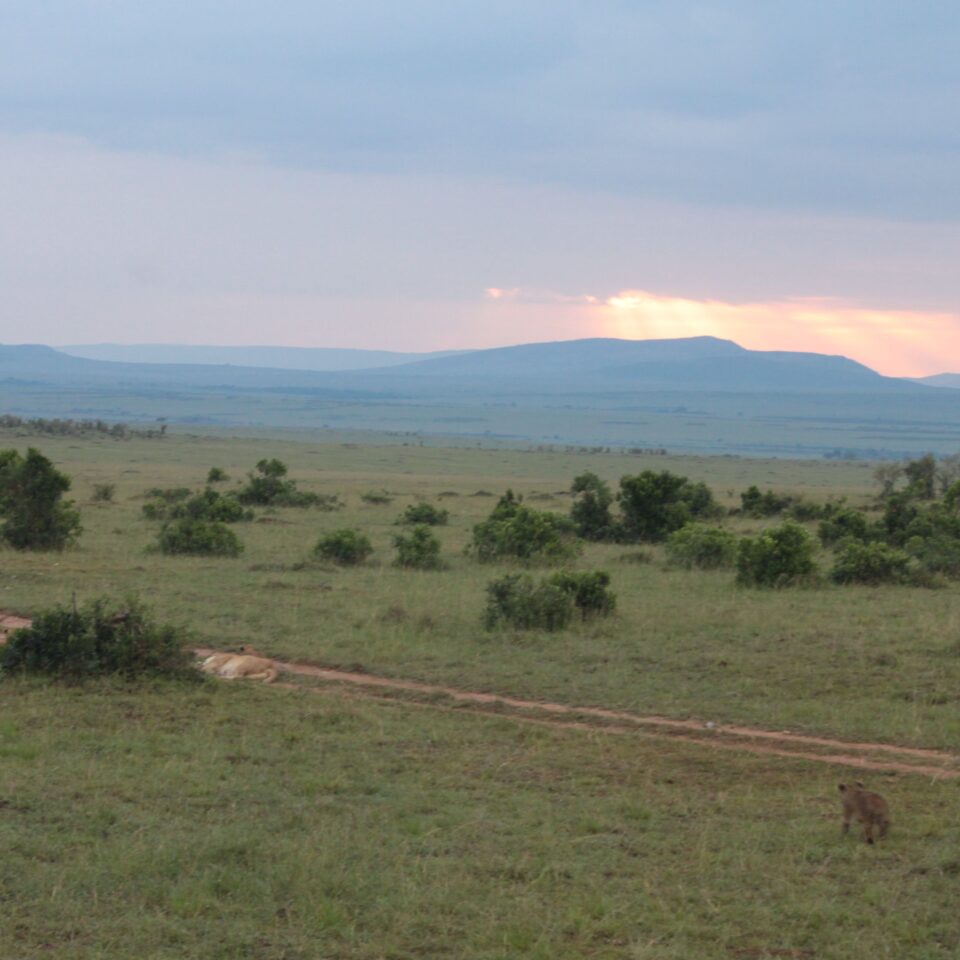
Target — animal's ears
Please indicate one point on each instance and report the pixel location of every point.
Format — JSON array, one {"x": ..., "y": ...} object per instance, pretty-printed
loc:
[
  {"x": 841, "y": 787},
  {"x": 860, "y": 785}
]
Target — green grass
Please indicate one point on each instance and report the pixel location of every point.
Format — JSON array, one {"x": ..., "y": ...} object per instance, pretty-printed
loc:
[
  {"x": 242, "y": 821},
  {"x": 880, "y": 663}
]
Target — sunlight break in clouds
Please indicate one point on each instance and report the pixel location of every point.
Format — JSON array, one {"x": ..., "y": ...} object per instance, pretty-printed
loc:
[{"x": 894, "y": 342}]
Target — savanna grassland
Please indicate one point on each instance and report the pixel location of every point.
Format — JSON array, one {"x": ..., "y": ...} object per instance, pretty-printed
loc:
[{"x": 218, "y": 820}]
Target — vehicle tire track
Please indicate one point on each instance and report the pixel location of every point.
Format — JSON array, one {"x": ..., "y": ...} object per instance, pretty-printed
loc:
[{"x": 866, "y": 755}]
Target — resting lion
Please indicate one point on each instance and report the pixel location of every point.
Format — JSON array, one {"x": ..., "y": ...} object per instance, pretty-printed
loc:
[{"x": 248, "y": 664}]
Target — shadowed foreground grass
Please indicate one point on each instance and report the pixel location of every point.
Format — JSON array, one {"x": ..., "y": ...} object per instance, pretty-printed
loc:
[{"x": 232, "y": 821}]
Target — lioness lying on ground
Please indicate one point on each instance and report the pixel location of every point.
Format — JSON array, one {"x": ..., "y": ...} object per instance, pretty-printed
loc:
[{"x": 248, "y": 664}]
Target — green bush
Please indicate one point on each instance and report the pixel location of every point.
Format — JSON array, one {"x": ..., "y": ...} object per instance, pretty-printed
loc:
[
  {"x": 776, "y": 558},
  {"x": 266, "y": 487},
  {"x": 589, "y": 591},
  {"x": 696, "y": 545},
  {"x": 210, "y": 505},
  {"x": 517, "y": 532},
  {"x": 101, "y": 638},
  {"x": 590, "y": 511},
  {"x": 870, "y": 563},
  {"x": 425, "y": 513},
  {"x": 346, "y": 547},
  {"x": 753, "y": 503},
  {"x": 842, "y": 524},
  {"x": 104, "y": 492},
  {"x": 376, "y": 497},
  {"x": 653, "y": 505},
  {"x": 205, "y": 538},
  {"x": 518, "y": 601},
  {"x": 217, "y": 475},
  {"x": 417, "y": 550},
  {"x": 35, "y": 515}
]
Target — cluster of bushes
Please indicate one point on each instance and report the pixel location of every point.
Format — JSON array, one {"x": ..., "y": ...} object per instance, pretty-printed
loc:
[
  {"x": 653, "y": 504},
  {"x": 98, "y": 639},
  {"x": 550, "y": 603},
  {"x": 267, "y": 487},
  {"x": 514, "y": 531}
]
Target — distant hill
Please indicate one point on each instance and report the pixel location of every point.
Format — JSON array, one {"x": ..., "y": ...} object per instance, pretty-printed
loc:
[
  {"x": 705, "y": 363},
  {"x": 278, "y": 358},
  {"x": 941, "y": 380},
  {"x": 697, "y": 394}
]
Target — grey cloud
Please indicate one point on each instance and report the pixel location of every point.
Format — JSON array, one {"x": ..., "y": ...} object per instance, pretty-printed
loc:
[{"x": 832, "y": 107}]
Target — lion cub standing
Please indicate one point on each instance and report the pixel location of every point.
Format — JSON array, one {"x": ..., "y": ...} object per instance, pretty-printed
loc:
[
  {"x": 248, "y": 664},
  {"x": 869, "y": 808}
]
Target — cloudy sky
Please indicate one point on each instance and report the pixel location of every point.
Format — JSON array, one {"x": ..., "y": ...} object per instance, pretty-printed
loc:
[{"x": 435, "y": 173}]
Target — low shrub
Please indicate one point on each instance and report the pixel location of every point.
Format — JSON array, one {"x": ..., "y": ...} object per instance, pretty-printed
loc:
[
  {"x": 707, "y": 548},
  {"x": 870, "y": 563},
  {"x": 514, "y": 531},
  {"x": 346, "y": 547},
  {"x": 101, "y": 638},
  {"x": 518, "y": 601},
  {"x": 843, "y": 524},
  {"x": 266, "y": 487},
  {"x": 417, "y": 550},
  {"x": 425, "y": 513},
  {"x": 376, "y": 497},
  {"x": 753, "y": 503},
  {"x": 205, "y": 538},
  {"x": 776, "y": 558},
  {"x": 217, "y": 475},
  {"x": 590, "y": 593},
  {"x": 104, "y": 492}
]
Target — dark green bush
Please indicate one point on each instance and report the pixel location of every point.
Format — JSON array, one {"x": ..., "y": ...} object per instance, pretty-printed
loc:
[
  {"x": 805, "y": 510},
  {"x": 205, "y": 538},
  {"x": 267, "y": 487},
  {"x": 346, "y": 547},
  {"x": 696, "y": 545},
  {"x": 590, "y": 511},
  {"x": 514, "y": 531},
  {"x": 102, "y": 638},
  {"x": 210, "y": 505},
  {"x": 590, "y": 593},
  {"x": 776, "y": 558},
  {"x": 376, "y": 497},
  {"x": 753, "y": 503},
  {"x": 653, "y": 505},
  {"x": 217, "y": 475},
  {"x": 870, "y": 563},
  {"x": 842, "y": 524},
  {"x": 518, "y": 601},
  {"x": 425, "y": 513},
  {"x": 418, "y": 550},
  {"x": 35, "y": 515}
]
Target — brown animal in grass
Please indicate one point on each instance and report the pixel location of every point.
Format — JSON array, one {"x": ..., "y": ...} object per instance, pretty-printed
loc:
[
  {"x": 869, "y": 808},
  {"x": 248, "y": 664}
]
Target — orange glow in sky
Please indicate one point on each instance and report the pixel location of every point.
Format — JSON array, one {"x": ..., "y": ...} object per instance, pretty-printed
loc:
[{"x": 894, "y": 342}]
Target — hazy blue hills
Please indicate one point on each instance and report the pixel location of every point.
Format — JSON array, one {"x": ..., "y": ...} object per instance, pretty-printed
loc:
[
  {"x": 703, "y": 363},
  {"x": 699, "y": 394},
  {"x": 696, "y": 363},
  {"x": 280, "y": 358},
  {"x": 941, "y": 380}
]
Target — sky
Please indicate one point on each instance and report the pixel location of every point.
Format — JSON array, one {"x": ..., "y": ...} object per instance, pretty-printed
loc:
[{"x": 438, "y": 174}]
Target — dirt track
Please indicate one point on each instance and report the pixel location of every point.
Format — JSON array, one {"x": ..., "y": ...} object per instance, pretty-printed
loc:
[
  {"x": 861, "y": 755},
  {"x": 885, "y": 757}
]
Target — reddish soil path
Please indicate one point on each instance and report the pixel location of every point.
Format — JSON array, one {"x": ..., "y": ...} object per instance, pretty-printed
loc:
[
  {"x": 886, "y": 757},
  {"x": 862, "y": 755}
]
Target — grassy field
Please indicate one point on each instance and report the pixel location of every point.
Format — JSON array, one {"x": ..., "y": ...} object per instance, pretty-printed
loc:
[
  {"x": 228, "y": 821},
  {"x": 242, "y": 821}
]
